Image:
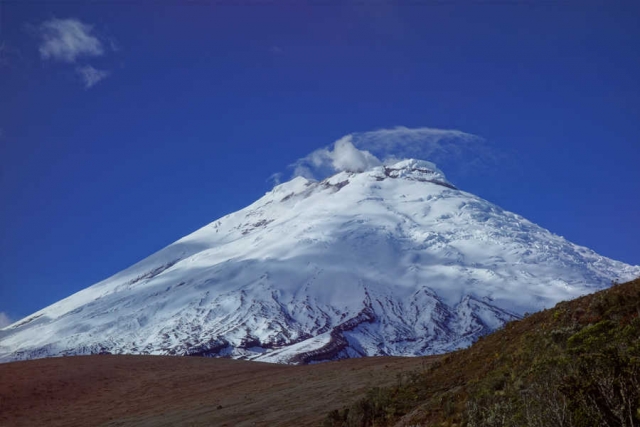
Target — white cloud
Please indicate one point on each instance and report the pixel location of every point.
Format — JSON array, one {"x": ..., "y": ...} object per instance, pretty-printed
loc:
[
  {"x": 5, "y": 320},
  {"x": 275, "y": 179},
  {"x": 67, "y": 39},
  {"x": 90, "y": 76},
  {"x": 344, "y": 156},
  {"x": 424, "y": 143},
  {"x": 453, "y": 149}
]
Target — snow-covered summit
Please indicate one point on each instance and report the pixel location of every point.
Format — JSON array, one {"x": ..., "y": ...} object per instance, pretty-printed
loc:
[
  {"x": 420, "y": 170},
  {"x": 391, "y": 260},
  {"x": 416, "y": 165},
  {"x": 297, "y": 183}
]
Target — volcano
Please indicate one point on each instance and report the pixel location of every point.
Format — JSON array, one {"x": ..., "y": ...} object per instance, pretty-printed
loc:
[{"x": 394, "y": 260}]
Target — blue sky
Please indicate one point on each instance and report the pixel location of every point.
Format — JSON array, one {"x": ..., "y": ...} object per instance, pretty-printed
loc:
[{"x": 125, "y": 127}]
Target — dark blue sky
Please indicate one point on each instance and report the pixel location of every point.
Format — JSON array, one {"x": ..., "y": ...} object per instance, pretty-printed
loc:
[{"x": 181, "y": 113}]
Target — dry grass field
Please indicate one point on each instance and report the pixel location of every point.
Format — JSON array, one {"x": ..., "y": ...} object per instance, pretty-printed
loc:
[{"x": 170, "y": 391}]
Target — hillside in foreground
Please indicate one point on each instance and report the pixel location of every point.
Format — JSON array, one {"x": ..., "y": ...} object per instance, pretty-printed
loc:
[{"x": 575, "y": 365}]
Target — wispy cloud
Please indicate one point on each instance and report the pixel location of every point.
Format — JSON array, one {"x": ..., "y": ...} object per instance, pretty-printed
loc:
[
  {"x": 454, "y": 150},
  {"x": 342, "y": 156},
  {"x": 5, "y": 320},
  {"x": 427, "y": 143},
  {"x": 90, "y": 76},
  {"x": 67, "y": 39},
  {"x": 275, "y": 179}
]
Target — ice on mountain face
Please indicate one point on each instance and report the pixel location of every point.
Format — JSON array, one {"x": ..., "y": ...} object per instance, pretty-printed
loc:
[
  {"x": 419, "y": 170},
  {"x": 410, "y": 165},
  {"x": 390, "y": 261}
]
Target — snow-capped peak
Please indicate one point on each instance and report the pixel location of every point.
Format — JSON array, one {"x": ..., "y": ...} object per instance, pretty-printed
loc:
[
  {"x": 390, "y": 260},
  {"x": 296, "y": 185},
  {"x": 412, "y": 169},
  {"x": 416, "y": 165}
]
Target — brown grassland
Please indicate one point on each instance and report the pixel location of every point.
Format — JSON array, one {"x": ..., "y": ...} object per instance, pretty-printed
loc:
[{"x": 190, "y": 391}]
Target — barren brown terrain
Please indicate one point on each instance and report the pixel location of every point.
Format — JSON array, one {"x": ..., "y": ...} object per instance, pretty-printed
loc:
[{"x": 168, "y": 391}]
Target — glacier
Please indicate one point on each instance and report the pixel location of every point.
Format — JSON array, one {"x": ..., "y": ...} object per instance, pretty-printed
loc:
[{"x": 394, "y": 260}]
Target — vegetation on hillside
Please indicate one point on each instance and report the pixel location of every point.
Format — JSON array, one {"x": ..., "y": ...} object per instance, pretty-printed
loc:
[{"x": 576, "y": 365}]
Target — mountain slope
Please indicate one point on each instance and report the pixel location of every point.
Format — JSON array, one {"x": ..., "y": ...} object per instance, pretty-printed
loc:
[
  {"x": 390, "y": 261},
  {"x": 576, "y": 365}
]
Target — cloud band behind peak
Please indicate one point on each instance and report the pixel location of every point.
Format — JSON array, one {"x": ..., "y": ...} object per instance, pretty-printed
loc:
[{"x": 358, "y": 152}]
